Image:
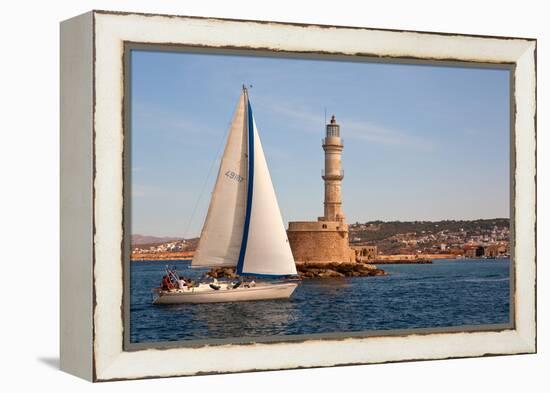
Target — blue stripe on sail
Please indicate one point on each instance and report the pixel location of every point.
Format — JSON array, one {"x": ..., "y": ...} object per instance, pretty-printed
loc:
[
  {"x": 242, "y": 253},
  {"x": 250, "y": 126}
]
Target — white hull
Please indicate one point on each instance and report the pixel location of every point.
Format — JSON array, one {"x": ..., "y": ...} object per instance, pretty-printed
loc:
[{"x": 204, "y": 294}]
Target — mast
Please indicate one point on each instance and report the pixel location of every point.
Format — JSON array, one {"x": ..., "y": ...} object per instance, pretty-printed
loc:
[{"x": 249, "y": 131}]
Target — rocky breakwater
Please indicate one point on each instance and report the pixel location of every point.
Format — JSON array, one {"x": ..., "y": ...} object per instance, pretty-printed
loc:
[
  {"x": 337, "y": 270},
  {"x": 316, "y": 270}
]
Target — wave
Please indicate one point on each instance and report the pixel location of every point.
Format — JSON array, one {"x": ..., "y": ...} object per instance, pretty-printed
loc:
[{"x": 484, "y": 279}]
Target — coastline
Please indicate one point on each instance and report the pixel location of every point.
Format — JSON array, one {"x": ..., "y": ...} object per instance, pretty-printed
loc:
[
  {"x": 398, "y": 259},
  {"x": 164, "y": 256},
  {"x": 403, "y": 261}
]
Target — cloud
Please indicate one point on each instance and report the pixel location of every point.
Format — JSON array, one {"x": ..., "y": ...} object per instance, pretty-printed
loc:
[
  {"x": 377, "y": 133},
  {"x": 355, "y": 129},
  {"x": 306, "y": 119},
  {"x": 138, "y": 191},
  {"x": 162, "y": 192},
  {"x": 156, "y": 119}
]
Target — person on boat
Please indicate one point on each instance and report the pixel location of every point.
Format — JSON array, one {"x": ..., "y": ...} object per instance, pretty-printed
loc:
[
  {"x": 248, "y": 284},
  {"x": 214, "y": 285},
  {"x": 166, "y": 285},
  {"x": 181, "y": 283}
]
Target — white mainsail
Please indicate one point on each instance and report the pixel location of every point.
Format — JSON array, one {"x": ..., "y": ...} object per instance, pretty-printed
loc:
[
  {"x": 265, "y": 249},
  {"x": 221, "y": 236},
  {"x": 243, "y": 226}
]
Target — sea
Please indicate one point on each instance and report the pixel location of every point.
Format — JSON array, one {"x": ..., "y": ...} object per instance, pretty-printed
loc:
[{"x": 447, "y": 293}]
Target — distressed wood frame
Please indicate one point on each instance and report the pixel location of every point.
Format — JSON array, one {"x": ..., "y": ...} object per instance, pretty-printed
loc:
[{"x": 92, "y": 190}]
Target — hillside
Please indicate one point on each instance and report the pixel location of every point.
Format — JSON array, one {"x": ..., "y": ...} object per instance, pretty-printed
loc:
[
  {"x": 380, "y": 230},
  {"x": 399, "y": 237},
  {"x": 147, "y": 239}
]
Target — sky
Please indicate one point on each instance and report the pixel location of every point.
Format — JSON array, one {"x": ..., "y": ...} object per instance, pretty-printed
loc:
[{"x": 421, "y": 142}]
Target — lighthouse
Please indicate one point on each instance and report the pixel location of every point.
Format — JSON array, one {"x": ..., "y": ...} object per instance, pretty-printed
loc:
[
  {"x": 333, "y": 173},
  {"x": 327, "y": 239}
]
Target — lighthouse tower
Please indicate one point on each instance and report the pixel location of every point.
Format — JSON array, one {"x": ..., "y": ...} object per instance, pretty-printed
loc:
[
  {"x": 327, "y": 239},
  {"x": 333, "y": 173}
]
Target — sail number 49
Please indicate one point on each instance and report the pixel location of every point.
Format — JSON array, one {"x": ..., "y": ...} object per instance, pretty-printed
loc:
[{"x": 234, "y": 176}]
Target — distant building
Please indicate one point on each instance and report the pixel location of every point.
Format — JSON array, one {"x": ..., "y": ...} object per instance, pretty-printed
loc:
[
  {"x": 366, "y": 253},
  {"x": 327, "y": 239},
  {"x": 495, "y": 250},
  {"x": 473, "y": 251}
]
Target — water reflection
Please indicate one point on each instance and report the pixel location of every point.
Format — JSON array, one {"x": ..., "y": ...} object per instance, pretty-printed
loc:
[{"x": 220, "y": 320}]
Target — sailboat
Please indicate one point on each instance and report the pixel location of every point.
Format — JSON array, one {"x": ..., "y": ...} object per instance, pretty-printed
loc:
[{"x": 243, "y": 227}]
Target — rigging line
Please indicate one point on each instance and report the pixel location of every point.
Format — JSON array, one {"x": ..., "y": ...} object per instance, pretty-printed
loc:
[{"x": 199, "y": 198}]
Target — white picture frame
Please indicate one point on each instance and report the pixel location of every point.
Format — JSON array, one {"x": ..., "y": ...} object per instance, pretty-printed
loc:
[{"x": 92, "y": 193}]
